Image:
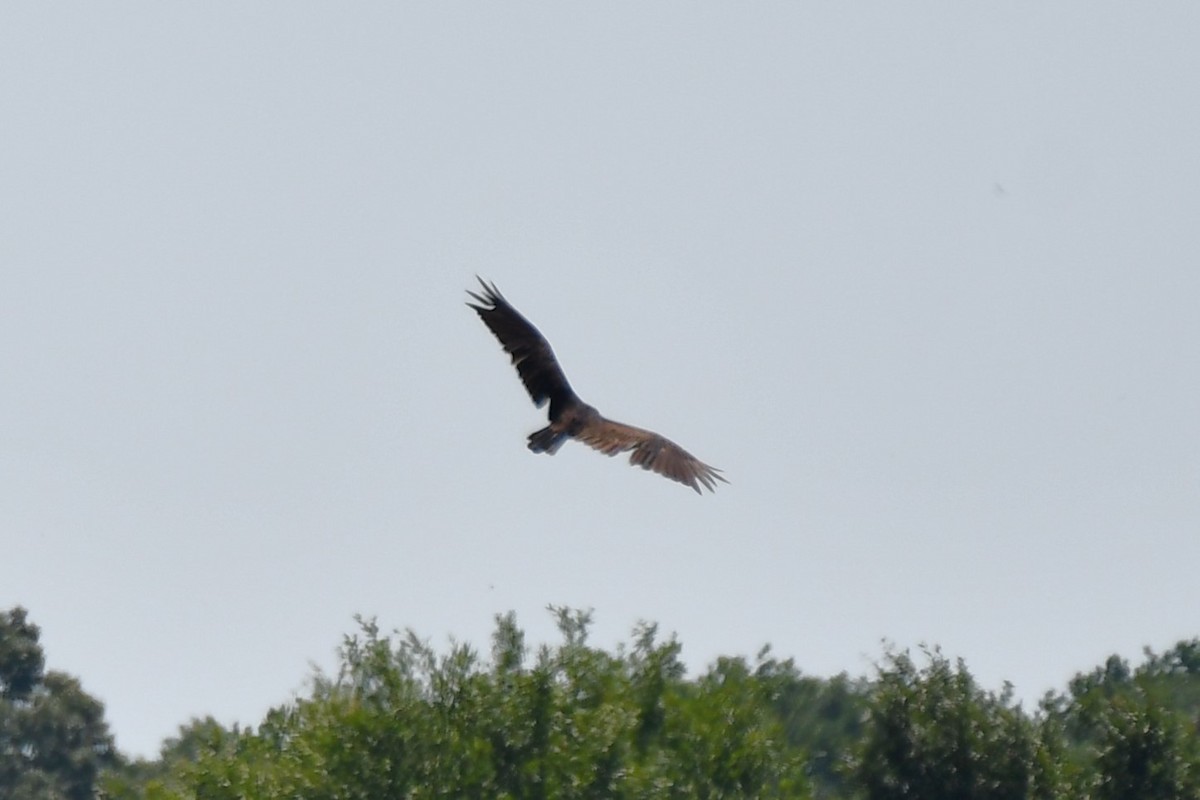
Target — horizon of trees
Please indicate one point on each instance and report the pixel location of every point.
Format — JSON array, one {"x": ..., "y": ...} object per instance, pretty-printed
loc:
[{"x": 401, "y": 719}]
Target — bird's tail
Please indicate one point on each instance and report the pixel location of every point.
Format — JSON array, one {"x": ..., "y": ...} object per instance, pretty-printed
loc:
[{"x": 547, "y": 440}]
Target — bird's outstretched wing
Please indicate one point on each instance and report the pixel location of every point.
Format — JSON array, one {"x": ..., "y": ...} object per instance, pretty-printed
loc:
[
  {"x": 531, "y": 353},
  {"x": 570, "y": 416},
  {"x": 650, "y": 451}
]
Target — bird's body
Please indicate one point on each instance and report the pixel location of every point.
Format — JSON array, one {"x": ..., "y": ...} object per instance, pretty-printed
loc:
[{"x": 570, "y": 417}]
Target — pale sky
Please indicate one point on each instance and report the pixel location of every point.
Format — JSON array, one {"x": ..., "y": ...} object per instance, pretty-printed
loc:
[{"x": 922, "y": 278}]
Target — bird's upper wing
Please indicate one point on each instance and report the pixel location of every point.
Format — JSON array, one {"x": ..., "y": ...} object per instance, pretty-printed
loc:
[
  {"x": 531, "y": 353},
  {"x": 650, "y": 451}
]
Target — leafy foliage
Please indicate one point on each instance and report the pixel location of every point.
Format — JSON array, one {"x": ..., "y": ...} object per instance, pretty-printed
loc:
[
  {"x": 1138, "y": 727},
  {"x": 932, "y": 732},
  {"x": 401, "y": 720},
  {"x": 1146, "y": 750},
  {"x": 571, "y": 722},
  {"x": 53, "y": 737}
]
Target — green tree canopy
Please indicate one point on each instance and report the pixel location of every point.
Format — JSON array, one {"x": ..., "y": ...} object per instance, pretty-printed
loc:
[
  {"x": 401, "y": 719},
  {"x": 572, "y": 721},
  {"x": 53, "y": 738},
  {"x": 931, "y": 732}
]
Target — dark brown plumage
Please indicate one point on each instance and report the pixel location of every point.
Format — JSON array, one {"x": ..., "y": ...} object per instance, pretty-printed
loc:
[{"x": 570, "y": 417}]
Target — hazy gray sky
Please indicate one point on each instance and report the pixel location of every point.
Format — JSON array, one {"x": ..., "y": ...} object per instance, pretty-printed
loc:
[{"x": 924, "y": 279}]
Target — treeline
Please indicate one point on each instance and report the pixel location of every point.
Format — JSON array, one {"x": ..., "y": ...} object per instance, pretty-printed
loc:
[{"x": 402, "y": 720}]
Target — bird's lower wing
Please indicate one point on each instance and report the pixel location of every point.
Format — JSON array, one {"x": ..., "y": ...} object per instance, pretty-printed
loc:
[{"x": 650, "y": 451}]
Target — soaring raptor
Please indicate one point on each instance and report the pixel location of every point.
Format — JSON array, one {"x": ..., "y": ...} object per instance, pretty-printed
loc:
[{"x": 570, "y": 417}]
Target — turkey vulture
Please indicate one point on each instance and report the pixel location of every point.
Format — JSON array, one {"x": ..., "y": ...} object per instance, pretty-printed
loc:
[{"x": 570, "y": 417}]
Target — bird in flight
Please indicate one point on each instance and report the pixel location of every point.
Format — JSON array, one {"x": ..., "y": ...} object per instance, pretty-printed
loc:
[{"x": 570, "y": 417}]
